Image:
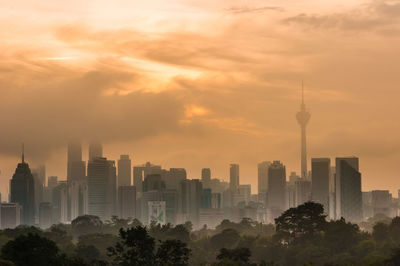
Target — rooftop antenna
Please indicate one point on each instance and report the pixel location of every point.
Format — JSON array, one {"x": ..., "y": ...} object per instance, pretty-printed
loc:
[{"x": 23, "y": 153}]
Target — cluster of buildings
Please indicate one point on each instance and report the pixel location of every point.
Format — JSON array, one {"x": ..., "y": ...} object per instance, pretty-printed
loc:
[{"x": 147, "y": 192}]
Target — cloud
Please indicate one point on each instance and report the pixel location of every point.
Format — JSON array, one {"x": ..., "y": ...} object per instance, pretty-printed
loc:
[
  {"x": 376, "y": 16},
  {"x": 247, "y": 9}
]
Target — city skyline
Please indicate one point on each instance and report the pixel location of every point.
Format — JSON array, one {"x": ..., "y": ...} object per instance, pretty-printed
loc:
[{"x": 201, "y": 98}]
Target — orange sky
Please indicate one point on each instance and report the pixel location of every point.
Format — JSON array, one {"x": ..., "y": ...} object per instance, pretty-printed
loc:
[{"x": 201, "y": 83}]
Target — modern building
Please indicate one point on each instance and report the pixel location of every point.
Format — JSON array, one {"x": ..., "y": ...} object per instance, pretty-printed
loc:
[
  {"x": 124, "y": 171},
  {"x": 45, "y": 215},
  {"x": 22, "y": 191},
  {"x": 381, "y": 202},
  {"x": 206, "y": 177},
  {"x": 101, "y": 175},
  {"x": 276, "y": 202},
  {"x": 95, "y": 150},
  {"x": 348, "y": 189},
  {"x": 190, "y": 200},
  {"x": 234, "y": 177},
  {"x": 263, "y": 177},
  {"x": 320, "y": 174},
  {"x": 303, "y": 191},
  {"x": 126, "y": 202},
  {"x": 60, "y": 203},
  {"x": 140, "y": 172},
  {"x": 76, "y": 168},
  {"x": 173, "y": 177},
  {"x": 10, "y": 215}
]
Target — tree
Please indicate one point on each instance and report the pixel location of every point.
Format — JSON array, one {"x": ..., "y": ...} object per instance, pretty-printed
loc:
[
  {"x": 303, "y": 221},
  {"x": 31, "y": 249},
  {"x": 237, "y": 255},
  {"x": 172, "y": 253},
  {"x": 86, "y": 224},
  {"x": 88, "y": 253},
  {"x": 226, "y": 239},
  {"x": 380, "y": 232},
  {"x": 136, "y": 248}
]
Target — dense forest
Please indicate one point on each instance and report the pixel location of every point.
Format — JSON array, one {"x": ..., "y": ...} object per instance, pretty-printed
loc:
[{"x": 300, "y": 236}]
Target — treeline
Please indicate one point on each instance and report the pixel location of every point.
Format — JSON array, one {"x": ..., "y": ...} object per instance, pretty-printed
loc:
[{"x": 301, "y": 236}]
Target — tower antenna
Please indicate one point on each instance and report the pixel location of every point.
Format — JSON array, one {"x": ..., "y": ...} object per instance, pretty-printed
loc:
[{"x": 23, "y": 152}]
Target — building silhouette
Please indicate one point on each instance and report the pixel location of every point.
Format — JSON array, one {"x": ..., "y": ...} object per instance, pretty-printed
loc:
[
  {"x": 234, "y": 177},
  {"x": 22, "y": 191},
  {"x": 348, "y": 189},
  {"x": 124, "y": 171},
  {"x": 126, "y": 202},
  {"x": 95, "y": 150},
  {"x": 276, "y": 200},
  {"x": 206, "y": 177},
  {"x": 10, "y": 215},
  {"x": 320, "y": 174},
  {"x": 101, "y": 175},
  {"x": 302, "y": 118}
]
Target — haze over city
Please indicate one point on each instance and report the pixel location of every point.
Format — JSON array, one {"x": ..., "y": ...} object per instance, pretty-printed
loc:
[{"x": 198, "y": 84}]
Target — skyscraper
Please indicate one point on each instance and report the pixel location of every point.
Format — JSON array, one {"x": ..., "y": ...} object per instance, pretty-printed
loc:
[
  {"x": 320, "y": 174},
  {"x": 263, "y": 177},
  {"x": 348, "y": 189},
  {"x": 190, "y": 200},
  {"x": 126, "y": 202},
  {"x": 206, "y": 177},
  {"x": 95, "y": 150},
  {"x": 276, "y": 189},
  {"x": 75, "y": 166},
  {"x": 234, "y": 177},
  {"x": 101, "y": 188},
  {"x": 124, "y": 171},
  {"x": 22, "y": 191},
  {"x": 302, "y": 118}
]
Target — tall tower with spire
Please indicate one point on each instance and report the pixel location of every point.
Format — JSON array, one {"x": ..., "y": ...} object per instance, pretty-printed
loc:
[
  {"x": 302, "y": 118},
  {"x": 22, "y": 190}
]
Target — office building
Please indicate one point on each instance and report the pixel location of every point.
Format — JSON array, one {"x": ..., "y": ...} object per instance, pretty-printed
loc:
[
  {"x": 101, "y": 176},
  {"x": 124, "y": 171},
  {"x": 60, "y": 203},
  {"x": 140, "y": 172},
  {"x": 206, "y": 177},
  {"x": 234, "y": 177},
  {"x": 348, "y": 189},
  {"x": 10, "y": 215},
  {"x": 263, "y": 177},
  {"x": 173, "y": 177},
  {"x": 276, "y": 189},
  {"x": 45, "y": 215},
  {"x": 126, "y": 202},
  {"x": 381, "y": 202},
  {"x": 95, "y": 150},
  {"x": 22, "y": 191},
  {"x": 320, "y": 174},
  {"x": 190, "y": 200}
]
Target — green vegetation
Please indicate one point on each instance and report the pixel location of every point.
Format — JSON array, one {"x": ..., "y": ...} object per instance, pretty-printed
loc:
[{"x": 302, "y": 236}]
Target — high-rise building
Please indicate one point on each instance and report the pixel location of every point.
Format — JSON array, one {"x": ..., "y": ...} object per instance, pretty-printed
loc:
[
  {"x": 39, "y": 179},
  {"x": 45, "y": 215},
  {"x": 126, "y": 202},
  {"x": 140, "y": 172},
  {"x": 101, "y": 175},
  {"x": 320, "y": 174},
  {"x": 276, "y": 189},
  {"x": 303, "y": 116},
  {"x": 348, "y": 189},
  {"x": 381, "y": 202},
  {"x": 95, "y": 150},
  {"x": 303, "y": 191},
  {"x": 190, "y": 200},
  {"x": 60, "y": 203},
  {"x": 75, "y": 165},
  {"x": 206, "y": 198},
  {"x": 206, "y": 177},
  {"x": 52, "y": 181},
  {"x": 124, "y": 171},
  {"x": 263, "y": 177},
  {"x": 22, "y": 191},
  {"x": 173, "y": 177},
  {"x": 10, "y": 215},
  {"x": 234, "y": 177}
]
